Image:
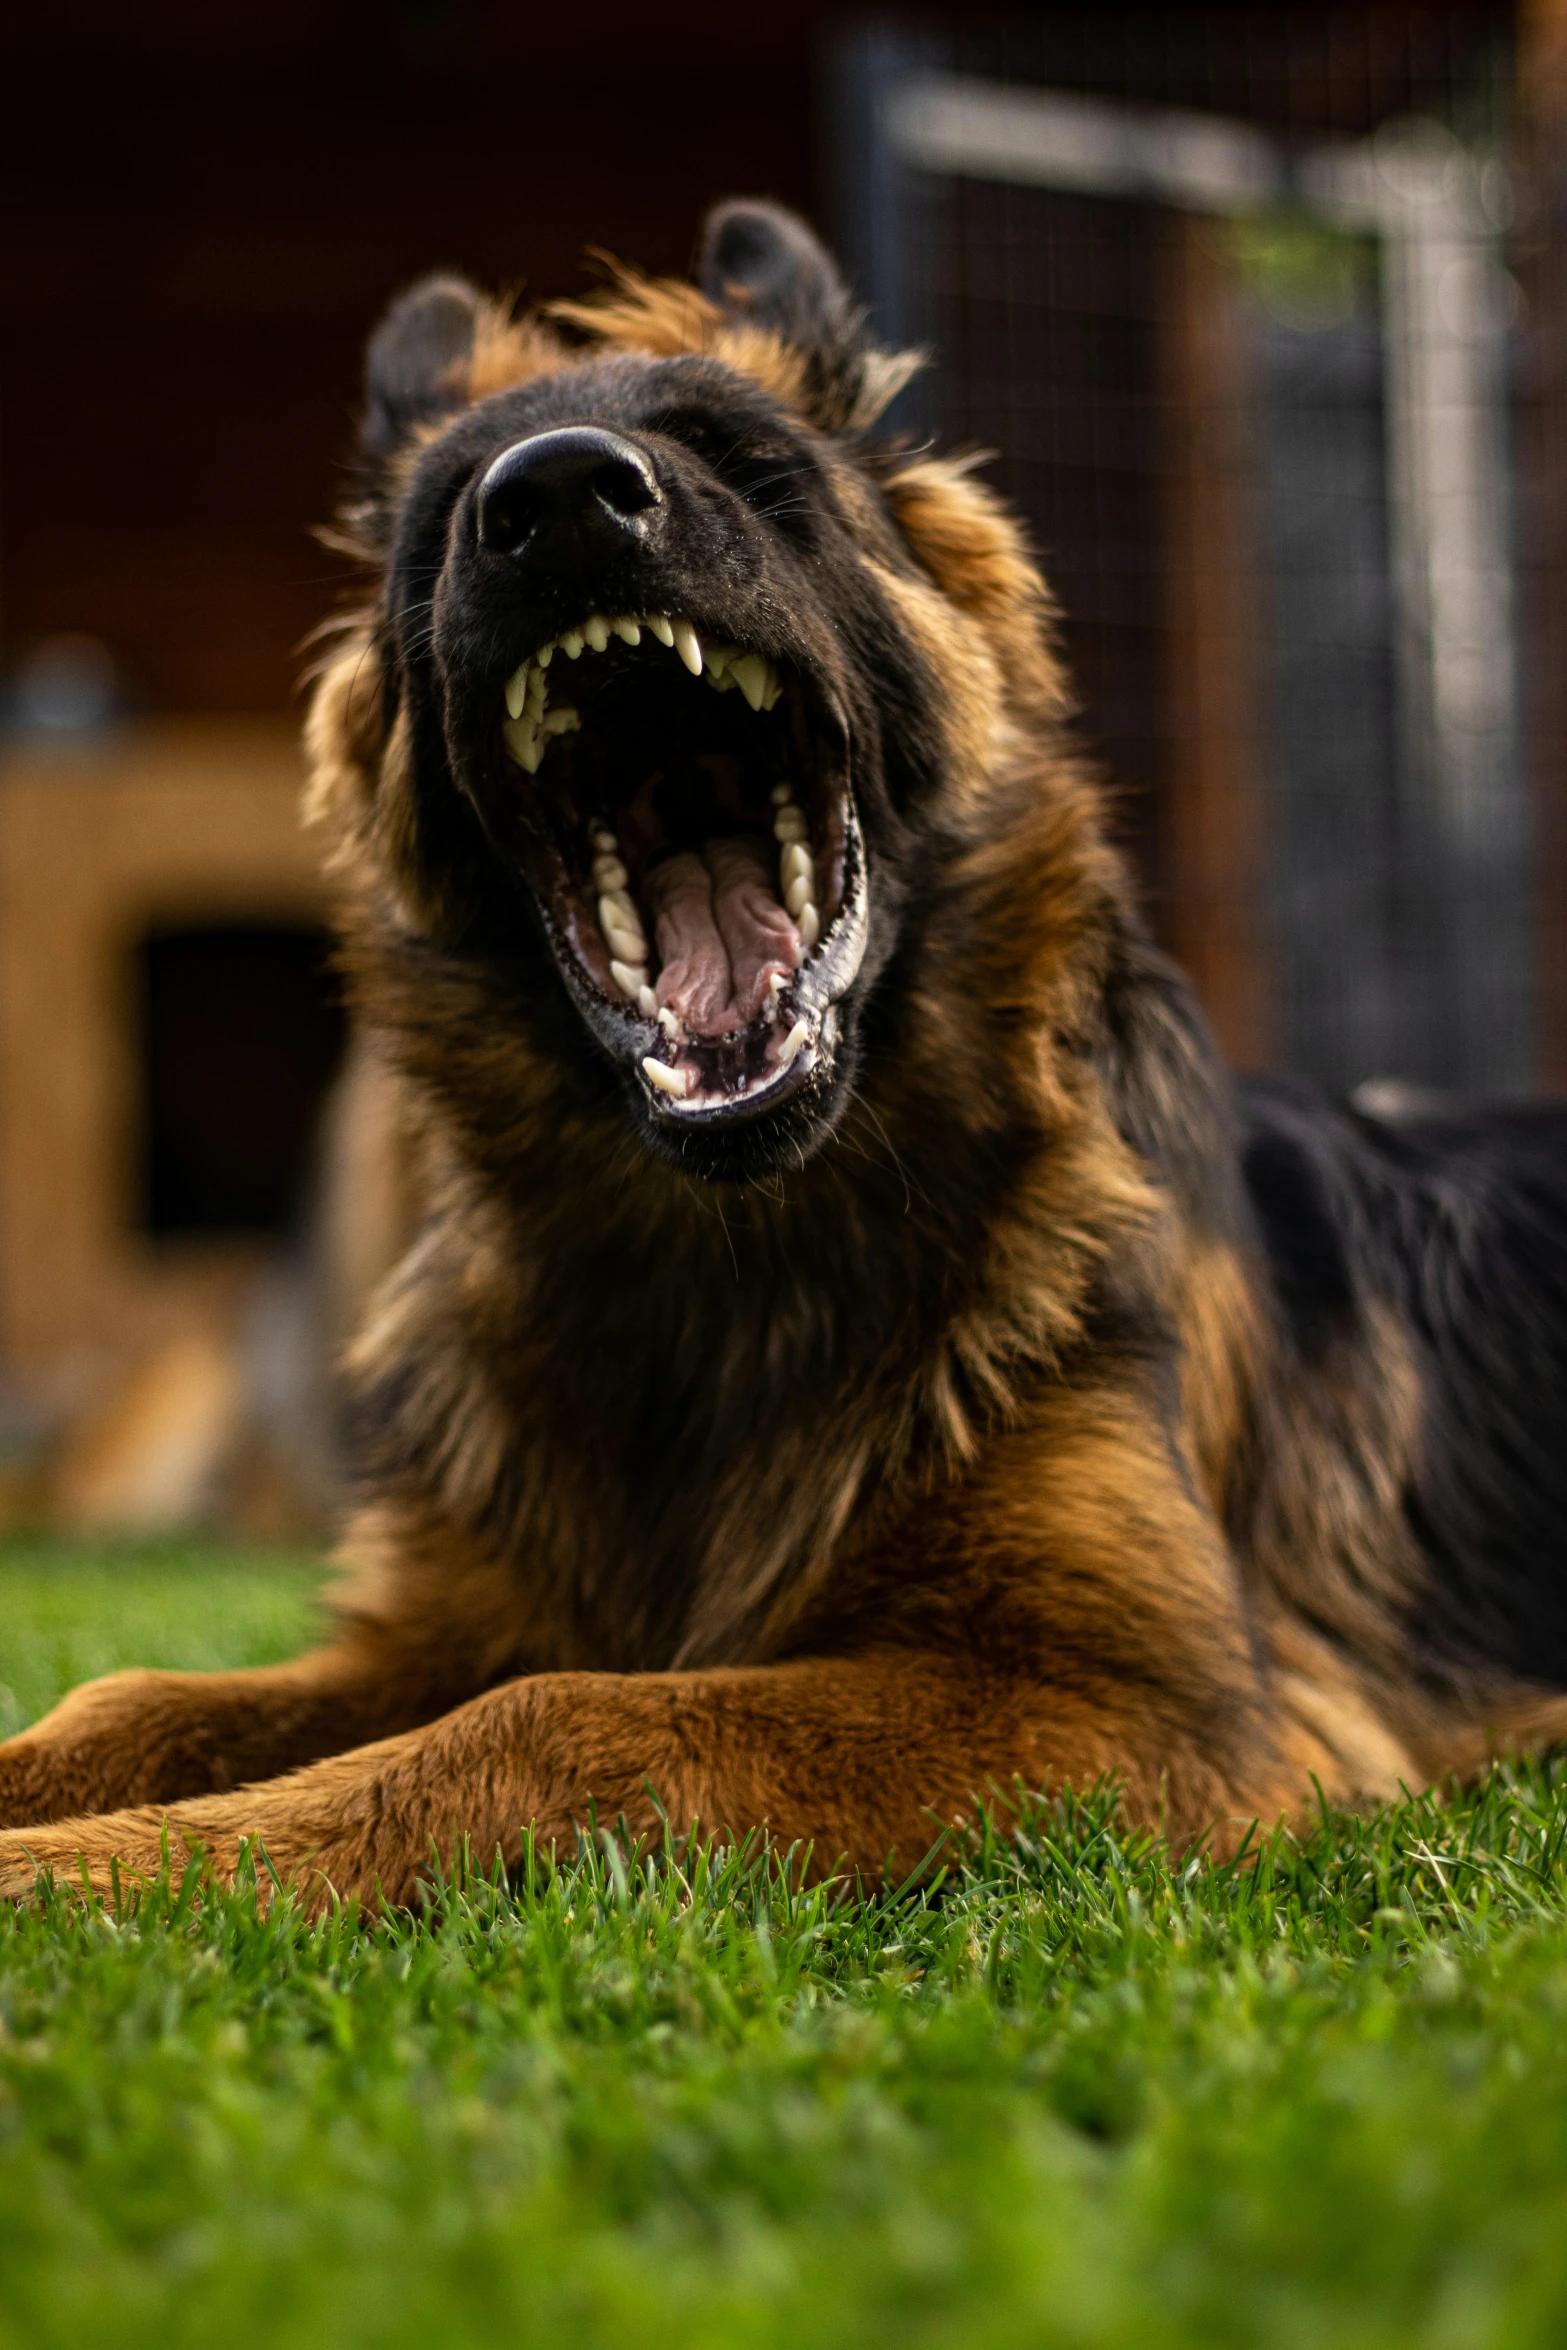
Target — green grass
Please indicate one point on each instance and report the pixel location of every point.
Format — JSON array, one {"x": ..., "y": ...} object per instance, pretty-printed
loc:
[{"x": 1079, "y": 2097}]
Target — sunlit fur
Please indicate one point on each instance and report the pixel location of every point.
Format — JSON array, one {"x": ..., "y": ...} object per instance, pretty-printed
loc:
[{"x": 1060, "y": 1409}]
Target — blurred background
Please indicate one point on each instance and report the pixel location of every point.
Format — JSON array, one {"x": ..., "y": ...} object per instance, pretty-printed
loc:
[{"x": 1262, "y": 313}]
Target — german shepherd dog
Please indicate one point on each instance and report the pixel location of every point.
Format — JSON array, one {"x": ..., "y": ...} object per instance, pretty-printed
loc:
[{"x": 863, "y": 1356}]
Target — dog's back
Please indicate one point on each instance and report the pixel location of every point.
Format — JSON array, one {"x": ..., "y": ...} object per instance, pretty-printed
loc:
[{"x": 1450, "y": 1227}]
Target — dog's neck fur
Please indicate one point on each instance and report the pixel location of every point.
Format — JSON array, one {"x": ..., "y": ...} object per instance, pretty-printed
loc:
[{"x": 633, "y": 1357}]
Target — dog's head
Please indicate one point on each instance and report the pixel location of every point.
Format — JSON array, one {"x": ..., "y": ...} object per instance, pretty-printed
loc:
[{"x": 681, "y": 686}]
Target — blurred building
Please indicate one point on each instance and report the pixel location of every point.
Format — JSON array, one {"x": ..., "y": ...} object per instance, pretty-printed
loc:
[{"x": 1263, "y": 311}]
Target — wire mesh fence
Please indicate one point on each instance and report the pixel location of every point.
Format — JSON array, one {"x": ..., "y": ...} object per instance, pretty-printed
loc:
[{"x": 1231, "y": 299}]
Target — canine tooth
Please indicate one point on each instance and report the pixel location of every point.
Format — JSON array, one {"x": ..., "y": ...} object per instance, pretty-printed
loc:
[
  {"x": 544, "y": 656},
  {"x": 605, "y": 842},
  {"x": 789, "y": 1050},
  {"x": 630, "y": 978},
  {"x": 688, "y": 645},
  {"x": 797, "y": 896},
  {"x": 809, "y": 924},
  {"x": 750, "y": 675},
  {"x": 517, "y": 689},
  {"x": 522, "y": 741},
  {"x": 661, "y": 628},
  {"x": 571, "y": 643},
  {"x": 647, "y": 1001},
  {"x": 627, "y": 631},
  {"x": 782, "y": 795},
  {"x": 565, "y": 720},
  {"x": 596, "y": 631},
  {"x": 773, "y": 692},
  {"x": 667, "y": 1080},
  {"x": 789, "y": 825},
  {"x": 609, "y": 873},
  {"x": 795, "y": 865}
]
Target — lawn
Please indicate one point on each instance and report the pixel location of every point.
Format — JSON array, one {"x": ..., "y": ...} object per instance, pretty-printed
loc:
[{"x": 1078, "y": 2097}]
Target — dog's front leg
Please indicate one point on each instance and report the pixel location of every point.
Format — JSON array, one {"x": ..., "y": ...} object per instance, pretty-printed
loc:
[
  {"x": 863, "y": 1759},
  {"x": 154, "y": 1737}
]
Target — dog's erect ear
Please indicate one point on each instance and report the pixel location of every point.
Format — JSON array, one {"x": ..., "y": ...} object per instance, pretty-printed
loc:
[
  {"x": 761, "y": 262},
  {"x": 420, "y": 360}
]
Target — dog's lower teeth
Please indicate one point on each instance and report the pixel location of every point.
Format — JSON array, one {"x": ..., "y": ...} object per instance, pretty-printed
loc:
[
  {"x": 670, "y": 1081},
  {"x": 795, "y": 865},
  {"x": 789, "y": 1050}
]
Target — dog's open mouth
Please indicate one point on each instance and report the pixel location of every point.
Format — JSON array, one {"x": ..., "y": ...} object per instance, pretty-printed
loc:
[{"x": 691, "y": 838}]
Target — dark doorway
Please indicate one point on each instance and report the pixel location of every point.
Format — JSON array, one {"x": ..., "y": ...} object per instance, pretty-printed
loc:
[{"x": 242, "y": 1031}]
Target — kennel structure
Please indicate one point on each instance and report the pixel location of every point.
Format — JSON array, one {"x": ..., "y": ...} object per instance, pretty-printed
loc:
[
  {"x": 1231, "y": 303},
  {"x": 168, "y": 1030}
]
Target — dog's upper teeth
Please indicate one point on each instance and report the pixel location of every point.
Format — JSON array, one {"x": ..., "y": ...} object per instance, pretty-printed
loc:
[
  {"x": 750, "y": 674},
  {"x": 522, "y": 741},
  {"x": 609, "y": 873},
  {"x": 809, "y": 924},
  {"x": 789, "y": 825},
  {"x": 530, "y": 722},
  {"x": 672, "y": 1024},
  {"x": 647, "y": 1001},
  {"x": 605, "y": 842}
]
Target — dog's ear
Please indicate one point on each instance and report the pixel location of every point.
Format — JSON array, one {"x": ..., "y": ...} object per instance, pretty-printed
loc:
[
  {"x": 420, "y": 361},
  {"x": 762, "y": 265},
  {"x": 761, "y": 262}
]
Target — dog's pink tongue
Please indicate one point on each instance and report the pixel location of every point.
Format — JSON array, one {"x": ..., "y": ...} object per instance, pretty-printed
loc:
[{"x": 721, "y": 934}]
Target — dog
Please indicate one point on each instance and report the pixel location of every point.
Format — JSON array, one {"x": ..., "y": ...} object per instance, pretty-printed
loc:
[{"x": 862, "y": 1356}]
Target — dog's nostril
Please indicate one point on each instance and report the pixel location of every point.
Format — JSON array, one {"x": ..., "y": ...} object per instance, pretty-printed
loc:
[
  {"x": 508, "y": 519},
  {"x": 578, "y": 476},
  {"x": 626, "y": 488}
]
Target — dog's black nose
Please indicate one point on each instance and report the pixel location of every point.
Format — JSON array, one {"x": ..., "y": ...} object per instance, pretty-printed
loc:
[{"x": 577, "y": 481}]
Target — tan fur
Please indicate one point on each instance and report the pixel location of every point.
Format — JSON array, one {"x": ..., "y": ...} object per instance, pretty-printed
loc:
[{"x": 991, "y": 1551}]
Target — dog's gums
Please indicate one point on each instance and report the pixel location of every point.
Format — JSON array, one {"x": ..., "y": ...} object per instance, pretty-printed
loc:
[{"x": 689, "y": 834}]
